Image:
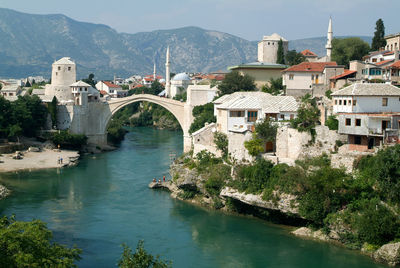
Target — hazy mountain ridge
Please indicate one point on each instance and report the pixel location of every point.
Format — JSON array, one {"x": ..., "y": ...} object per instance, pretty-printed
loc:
[{"x": 30, "y": 44}]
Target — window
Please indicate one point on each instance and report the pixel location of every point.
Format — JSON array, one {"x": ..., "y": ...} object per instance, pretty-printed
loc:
[
  {"x": 291, "y": 116},
  {"x": 251, "y": 116},
  {"x": 344, "y": 102},
  {"x": 56, "y": 73},
  {"x": 282, "y": 116},
  {"x": 358, "y": 122},
  {"x": 384, "y": 101},
  {"x": 312, "y": 77},
  {"x": 85, "y": 88},
  {"x": 348, "y": 121},
  {"x": 59, "y": 68},
  {"x": 291, "y": 76},
  {"x": 354, "y": 102},
  {"x": 335, "y": 102},
  {"x": 236, "y": 114},
  {"x": 349, "y": 102},
  {"x": 340, "y": 102},
  {"x": 69, "y": 68},
  {"x": 357, "y": 139}
]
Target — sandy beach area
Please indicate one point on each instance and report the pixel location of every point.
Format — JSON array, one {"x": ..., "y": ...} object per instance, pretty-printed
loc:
[{"x": 38, "y": 160}]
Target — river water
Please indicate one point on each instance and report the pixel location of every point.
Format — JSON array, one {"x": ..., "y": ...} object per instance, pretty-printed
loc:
[{"x": 105, "y": 201}]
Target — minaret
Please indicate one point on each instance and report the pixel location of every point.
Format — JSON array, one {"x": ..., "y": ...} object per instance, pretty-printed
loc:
[
  {"x": 167, "y": 76},
  {"x": 154, "y": 72},
  {"x": 329, "y": 43}
]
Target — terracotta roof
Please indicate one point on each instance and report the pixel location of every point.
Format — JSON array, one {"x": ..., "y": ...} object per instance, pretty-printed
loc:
[
  {"x": 310, "y": 67},
  {"x": 395, "y": 65},
  {"x": 103, "y": 92},
  {"x": 383, "y": 62},
  {"x": 140, "y": 85},
  {"x": 388, "y": 53},
  {"x": 344, "y": 74},
  {"x": 308, "y": 53},
  {"x": 109, "y": 84}
]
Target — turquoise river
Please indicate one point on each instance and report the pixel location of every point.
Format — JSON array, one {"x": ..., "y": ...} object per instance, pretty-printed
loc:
[{"x": 104, "y": 202}]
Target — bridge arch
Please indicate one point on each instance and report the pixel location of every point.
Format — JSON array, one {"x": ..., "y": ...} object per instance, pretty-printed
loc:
[{"x": 175, "y": 107}]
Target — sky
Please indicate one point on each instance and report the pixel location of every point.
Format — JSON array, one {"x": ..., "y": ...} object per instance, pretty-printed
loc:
[{"x": 249, "y": 19}]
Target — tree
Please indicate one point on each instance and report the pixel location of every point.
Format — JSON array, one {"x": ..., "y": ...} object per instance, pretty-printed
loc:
[
  {"x": 234, "y": 81},
  {"x": 27, "y": 84},
  {"x": 254, "y": 146},
  {"x": 27, "y": 244},
  {"x": 348, "y": 49},
  {"x": 202, "y": 114},
  {"x": 141, "y": 258},
  {"x": 266, "y": 130},
  {"x": 221, "y": 141},
  {"x": 294, "y": 58},
  {"x": 280, "y": 59},
  {"x": 52, "y": 107},
  {"x": 379, "y": 36},
  {"x": 274, "y": 87},
  {"x": 332, "y": 123},
  {"x": 90, "y": 80},
  {"x": 307, "y": 114}
]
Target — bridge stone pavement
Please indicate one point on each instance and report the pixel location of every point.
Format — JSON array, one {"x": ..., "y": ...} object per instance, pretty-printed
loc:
[{"x": 97, "y": 134}]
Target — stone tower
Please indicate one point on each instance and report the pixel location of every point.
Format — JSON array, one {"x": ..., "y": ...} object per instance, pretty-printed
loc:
[
  {"x": 268, "y": 48},
  {"x": 329, "y": 42},
  {"x": 167, "y": 76},
  {"x": 63, "y": 74}
]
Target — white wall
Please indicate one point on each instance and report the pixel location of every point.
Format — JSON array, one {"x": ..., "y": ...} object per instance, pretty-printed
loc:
[{"x": 365, "y": 104}]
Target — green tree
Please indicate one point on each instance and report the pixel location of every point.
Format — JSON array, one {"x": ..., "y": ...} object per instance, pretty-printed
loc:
[
  {"x": 332, "y": 123},
  {"x": 254, "y": 146},
  {"x": 274, "y": 87},
  {"x": 141, "y": 258},
  {"x": 307, "y": 114},
  {"x": 28, "y": 244},
  {"x": 266, "y": 130},
  {"x": 378, "y": 41},
  {"x": 221, "y": 141},
  {"x": 294, "y": 58},
  {"x": 348, "y": 49},
  {"x": 202, "y": 114},
  {"x": 234, "y": 81},
  {"x": 280, "y": 59},
  {"x": 90, "y": 80},
  {"x": 27, "y": 84},
  {"x": 52, "y": 107}
]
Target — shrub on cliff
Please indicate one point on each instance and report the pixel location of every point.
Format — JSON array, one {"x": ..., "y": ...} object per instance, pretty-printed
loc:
[
  {"x": 202, "y": 114},
  {"x": 68, "y": 140},
  {"x": 28, "y": 244}
]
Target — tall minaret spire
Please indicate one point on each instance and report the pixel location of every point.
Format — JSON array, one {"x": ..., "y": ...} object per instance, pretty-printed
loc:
[
  {"x": 167, "y": 76},
  {"x": 329, "y": 43},
  {"x": 154, "y": 72}
]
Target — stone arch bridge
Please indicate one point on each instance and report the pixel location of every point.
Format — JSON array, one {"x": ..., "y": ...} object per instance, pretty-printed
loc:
[{"x": 100, "y": 115}]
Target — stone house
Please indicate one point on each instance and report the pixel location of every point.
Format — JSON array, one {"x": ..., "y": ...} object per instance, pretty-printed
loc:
[
  {"x": 368, "y": 113},
  {"x": 392, "y": 42},
  {"x": 11, "y": 92},
  {"x": 310, "y": 77},
  {"x": 309, "y": 55},
  {"x": 268, "y": 48}
]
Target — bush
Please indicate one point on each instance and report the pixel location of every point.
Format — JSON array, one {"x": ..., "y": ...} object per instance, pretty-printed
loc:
[
  {"x": 332, "y": 123},
  {"x": 202, "y": 114},
  {"x": 221, "y": 141},
  {"x": 115, "y": 131},
  {"x": 307, "y": 115},
  {"x": 28, "y": 244},
  {"x": 254, "y": 146},
  {"x": 67, "y": 140}
]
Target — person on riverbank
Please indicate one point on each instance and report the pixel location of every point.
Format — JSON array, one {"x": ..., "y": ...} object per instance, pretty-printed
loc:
[
  {"x": 154, "y": 180},
  {"x": 163, "y": 178}
]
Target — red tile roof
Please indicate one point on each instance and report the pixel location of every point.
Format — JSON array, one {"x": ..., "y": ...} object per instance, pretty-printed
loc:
[
  {"x": 395, "y": 65},
  {"x": 388, "y": 53},
  {"x": 344, "y": 74},
  {"x": 103, "y": 92},
  {"x": 308, "y": 53},
  {"x": 310, "y": 67},
  {"x": 109, "y": 84},
  {"x": 139, "y": 85},
  {"x": 383, "y": 62}
]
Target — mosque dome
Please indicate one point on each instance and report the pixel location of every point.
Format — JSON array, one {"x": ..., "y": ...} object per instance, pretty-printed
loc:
[{"x": 181, "y": 77}]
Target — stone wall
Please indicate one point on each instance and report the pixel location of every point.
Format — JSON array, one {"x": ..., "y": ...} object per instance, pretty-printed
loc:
[
  {"x": 236, "y": 145},
  {"x": 203, "y": 139}
]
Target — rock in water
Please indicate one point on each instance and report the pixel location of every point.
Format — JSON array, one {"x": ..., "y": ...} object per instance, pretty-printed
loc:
[
  {"x": 4, "y": 192},
  {"x": 389, "y": 253}
]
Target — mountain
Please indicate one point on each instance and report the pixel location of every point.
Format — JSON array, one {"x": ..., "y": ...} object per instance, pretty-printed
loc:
[
  {"x": 29, "y": 44},
  {"x": 317, "y": 44}
]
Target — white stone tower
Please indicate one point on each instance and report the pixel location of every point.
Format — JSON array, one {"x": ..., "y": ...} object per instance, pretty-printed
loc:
[
  {"x": 167, "y": 76},
  {"x": 329, "y": 42},
  {"x": 62, "y": 76},
  {"x": 268, "y": 48},
  {"x": 154, "y": 72}
]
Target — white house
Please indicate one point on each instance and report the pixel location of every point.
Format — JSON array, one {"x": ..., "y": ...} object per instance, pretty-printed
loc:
[
  {"x": 111, "y": 89},
  {"x": 84, "y": 93},
  {"x": 368, "y": 113},
  {"x": 11, "y": 92},
  {"x": 238, "y": 112}
]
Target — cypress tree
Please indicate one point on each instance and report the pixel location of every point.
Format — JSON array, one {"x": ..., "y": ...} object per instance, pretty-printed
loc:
[
  {"x": 281, "y": 54},
  {"x": 379, "y": 36}
]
